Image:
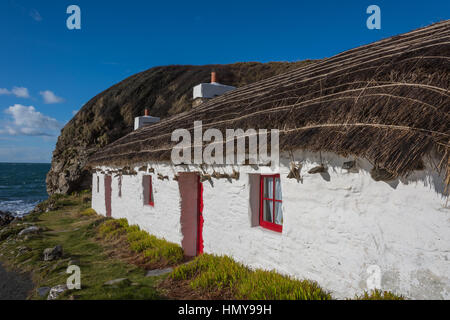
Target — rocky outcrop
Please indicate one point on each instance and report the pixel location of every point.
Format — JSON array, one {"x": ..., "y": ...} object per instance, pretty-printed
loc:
[
  {"x": 56, "y": 291},
  {"x": 53, "y": 253},
  {"x": 5, "y": 218},
  {"x": 108, "y": 116},
  {"x": 30, "y": 230}
]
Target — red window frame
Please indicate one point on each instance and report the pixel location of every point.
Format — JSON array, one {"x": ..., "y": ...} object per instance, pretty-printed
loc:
[
  {"x": 151, "y": 200},
  {"x": 266, "y": 224}
]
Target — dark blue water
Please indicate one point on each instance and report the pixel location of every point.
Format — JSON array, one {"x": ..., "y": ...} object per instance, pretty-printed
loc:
[{"x": 22, "y": 186}]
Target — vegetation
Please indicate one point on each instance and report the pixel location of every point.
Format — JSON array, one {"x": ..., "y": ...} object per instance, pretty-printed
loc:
[
  {"x": 379, "y": 295},
  {"x": 107, "y": 249},
  {"x": 76, "y": 231},
  {"x": 154, "y": 250},
  {"x": 211, "y": 273}
]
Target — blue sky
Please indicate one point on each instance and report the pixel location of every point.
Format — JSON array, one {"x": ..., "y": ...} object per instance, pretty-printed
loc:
[{"x": 47, "y": 72}]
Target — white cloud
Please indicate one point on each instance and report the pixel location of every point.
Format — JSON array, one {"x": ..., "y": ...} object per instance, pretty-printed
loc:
[
  {"x": 35, "y": 15},
  {"x": 50, "y": 97},
  {"x": 29, "y": 122},
  {"x": 4, "y": 91},
  {"x": 20, "y": 92}
]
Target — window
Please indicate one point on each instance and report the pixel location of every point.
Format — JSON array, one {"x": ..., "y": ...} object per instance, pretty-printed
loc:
[
  {"x": 98, "y": 184},
  {"x": 148, "y": 191},
  {"x": 271, "y": 213}
]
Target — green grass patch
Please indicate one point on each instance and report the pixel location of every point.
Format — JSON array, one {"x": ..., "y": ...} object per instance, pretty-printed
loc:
[
  {"x": 153, "y": 249},
  {"x": 211, "y": 273},
  {"x": 77, "y": 235},
  {"x": 379, "y": 295},
  {"x": 89, "y": 212}
]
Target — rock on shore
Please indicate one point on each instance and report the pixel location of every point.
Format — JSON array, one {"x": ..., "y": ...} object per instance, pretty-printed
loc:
[{"x": 6, "y": 218}]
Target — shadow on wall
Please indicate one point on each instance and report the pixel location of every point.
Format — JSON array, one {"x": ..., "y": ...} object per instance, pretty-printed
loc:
[{"x": 428, "y": 177}]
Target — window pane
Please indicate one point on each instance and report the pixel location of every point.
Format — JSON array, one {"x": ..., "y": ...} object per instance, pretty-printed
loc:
[
  {"x": 268, "y": 187},
  {"x": 268, "y": 208},
  {"x": 278, "y": 189},
  {"x": 278, "y": 213}
]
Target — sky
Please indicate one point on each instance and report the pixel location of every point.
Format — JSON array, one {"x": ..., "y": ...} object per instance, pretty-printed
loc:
[{"x": 48, "y": 72}]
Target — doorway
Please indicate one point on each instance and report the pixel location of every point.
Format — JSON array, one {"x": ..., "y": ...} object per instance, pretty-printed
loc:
[
  {"x": 108, "y": 192},
  {"x": 191, "y": 218}
]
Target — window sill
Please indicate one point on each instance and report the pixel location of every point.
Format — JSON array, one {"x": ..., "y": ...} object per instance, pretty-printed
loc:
[{"x": 269, "y": 230}]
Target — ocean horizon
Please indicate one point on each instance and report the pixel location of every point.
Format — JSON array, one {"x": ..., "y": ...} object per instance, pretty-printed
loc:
[{"x": 22, "y": 186}]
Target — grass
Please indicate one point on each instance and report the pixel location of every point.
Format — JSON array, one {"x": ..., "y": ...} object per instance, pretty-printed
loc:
[
  {"x": 75, "y": 227},
  {"x": 210, "y": 273},
  {"x": 379, "y": 295},
  {"x": 153, "y": 249},
  {"x": 95, "y": 241}
]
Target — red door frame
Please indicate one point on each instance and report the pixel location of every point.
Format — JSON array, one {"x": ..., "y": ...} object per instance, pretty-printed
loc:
[
  {"x": 108, "y": 195},
  {"x": 200, "y": 217}
]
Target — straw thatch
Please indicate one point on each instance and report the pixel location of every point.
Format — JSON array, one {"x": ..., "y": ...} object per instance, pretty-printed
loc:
[{"x": 387, "y": 102}]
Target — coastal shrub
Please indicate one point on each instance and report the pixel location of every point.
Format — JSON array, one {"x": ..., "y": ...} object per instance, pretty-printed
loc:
[
  {"x": 88, "y": 212},
  {"x": 112, "y": 229},
  {"x": 379, "y": 295},
  {"x": 136, "y": 235},
  {"x": 165, "y": 251},
  {"x": 211, "y": 273},
  {"x": 143, "y": 244},
  {"x": 269, "y": 285}
]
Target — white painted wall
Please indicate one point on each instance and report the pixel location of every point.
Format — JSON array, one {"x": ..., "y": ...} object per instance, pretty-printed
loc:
[
  {"x": 336, "y": 225},
  {"x": 162, "y": 220}
]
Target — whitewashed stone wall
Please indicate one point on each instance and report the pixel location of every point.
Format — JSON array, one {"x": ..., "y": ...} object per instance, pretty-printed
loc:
[
  {"x": 162, "y": 220},
  {"x": 336, "y": 225}
]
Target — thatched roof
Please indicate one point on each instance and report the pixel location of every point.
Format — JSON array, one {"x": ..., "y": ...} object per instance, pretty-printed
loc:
[{"x": 387, "y": 102}]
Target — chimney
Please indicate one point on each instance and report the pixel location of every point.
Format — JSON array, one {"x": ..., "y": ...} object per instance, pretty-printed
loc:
[
  {"x": 213, "y": 77},
  {"x": 145, "y": 120}
]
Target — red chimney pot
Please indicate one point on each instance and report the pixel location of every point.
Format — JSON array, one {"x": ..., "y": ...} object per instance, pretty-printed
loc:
[
  {"x": 213, "y": 77},
  {"x": 146, "y": 112}
]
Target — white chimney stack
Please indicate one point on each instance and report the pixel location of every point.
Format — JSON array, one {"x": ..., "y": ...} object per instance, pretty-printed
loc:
[
  {"x": 212, "y": 89},
  {"x": 145, "y": 120}
]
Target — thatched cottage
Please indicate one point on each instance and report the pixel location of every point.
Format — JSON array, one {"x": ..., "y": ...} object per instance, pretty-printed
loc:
[{"x": 360, "y": 196}]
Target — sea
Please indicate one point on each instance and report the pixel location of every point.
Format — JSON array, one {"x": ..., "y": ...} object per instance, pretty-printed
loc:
[{"x": 22, "y": 186}]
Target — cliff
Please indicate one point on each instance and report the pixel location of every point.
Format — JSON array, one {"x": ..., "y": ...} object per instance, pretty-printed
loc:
[{"x": 109, "y": 115}]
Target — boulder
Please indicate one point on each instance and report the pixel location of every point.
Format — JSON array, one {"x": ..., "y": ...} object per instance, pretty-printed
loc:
[
  {"x": 21, "y": 250},
  {"x": 30, "y": 230},
  {"x": 53, "y": 253},
  {"x": 55, "y": 292},
  {"x": 43, "y": 291},
  {"x": 5, "y": 218},
  {"x": 158, "y": 272},
  {"x": 118, "y": 282}
]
